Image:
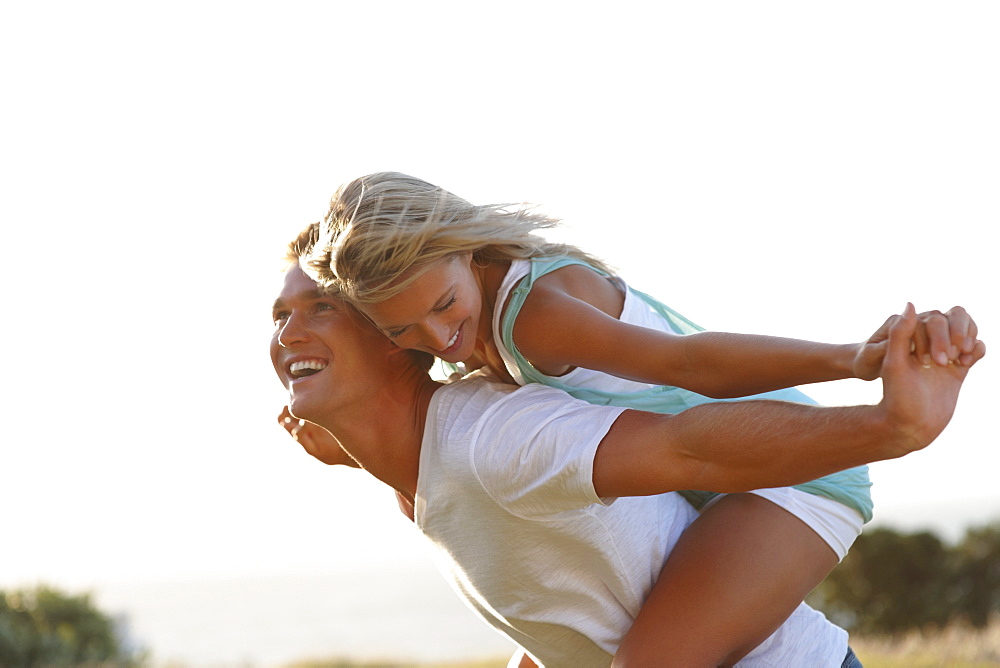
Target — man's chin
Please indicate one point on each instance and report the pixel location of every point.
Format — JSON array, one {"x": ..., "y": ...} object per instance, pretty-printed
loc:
[{"x": 301, "y": 409}]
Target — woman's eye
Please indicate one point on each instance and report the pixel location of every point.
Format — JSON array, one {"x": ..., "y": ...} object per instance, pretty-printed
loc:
[
  {"x": 445, "y": 307},
  {"x": 393, "y": 333}
]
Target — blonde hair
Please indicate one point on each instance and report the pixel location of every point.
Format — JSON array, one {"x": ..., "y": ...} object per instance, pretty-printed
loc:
[
  {"x": 298, "y": 250},
  {"x": 383, "y": 230},
  {"x": 301, "y": 246}
]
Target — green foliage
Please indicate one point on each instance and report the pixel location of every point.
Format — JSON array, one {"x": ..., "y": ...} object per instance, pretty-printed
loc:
[
  {"x": 977, "y": 574},
  {"x": 891, "y": 582},
  {"x": 45, "y": 627},
  {"x": 499, "y": 662}
]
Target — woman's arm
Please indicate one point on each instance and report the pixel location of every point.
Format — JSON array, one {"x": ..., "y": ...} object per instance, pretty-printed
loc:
[
  {"x": 740, "y": 446},
  {"x": 570, "y": 319}
]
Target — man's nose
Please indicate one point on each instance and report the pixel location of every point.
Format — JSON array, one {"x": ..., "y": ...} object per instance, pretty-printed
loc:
[{"x": 292, "y": 331}]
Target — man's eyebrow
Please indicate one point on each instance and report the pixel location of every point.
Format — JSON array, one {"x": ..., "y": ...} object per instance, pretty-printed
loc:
[{"x": 305, "y": 294}]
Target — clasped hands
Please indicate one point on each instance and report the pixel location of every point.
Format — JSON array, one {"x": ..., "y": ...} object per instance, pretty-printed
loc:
[{"x": 939, "y": 339}]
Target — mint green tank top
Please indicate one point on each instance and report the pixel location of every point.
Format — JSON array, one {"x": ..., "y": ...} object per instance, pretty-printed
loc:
[{"x": 851, "y": 487}]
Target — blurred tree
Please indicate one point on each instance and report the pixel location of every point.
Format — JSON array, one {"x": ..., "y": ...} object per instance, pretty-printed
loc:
[
  {"x": 978, "y": 574},
  {"x": 891, "y": 582},
  {"x": 46, "y": 627}
]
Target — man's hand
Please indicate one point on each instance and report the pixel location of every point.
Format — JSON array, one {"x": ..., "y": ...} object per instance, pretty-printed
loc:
[
  {"x": 317, "y": 441},
  {"x": 947, "y": 338},
  {"x": 919, "y": 394},
  {"x": 939, "y": 338}
]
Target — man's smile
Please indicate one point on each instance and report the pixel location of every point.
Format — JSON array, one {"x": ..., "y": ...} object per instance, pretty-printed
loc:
[{"x": 307, "y": 367}]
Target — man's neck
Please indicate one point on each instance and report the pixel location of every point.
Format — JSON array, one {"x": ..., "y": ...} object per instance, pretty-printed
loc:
[{"x": 384, "y": 432}]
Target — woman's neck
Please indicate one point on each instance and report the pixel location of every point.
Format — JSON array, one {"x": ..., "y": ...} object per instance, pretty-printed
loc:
[{"x": 490, "y": 276}]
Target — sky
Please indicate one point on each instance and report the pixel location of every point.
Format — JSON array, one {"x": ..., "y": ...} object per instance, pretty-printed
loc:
[{"x": 797, "y": 169}]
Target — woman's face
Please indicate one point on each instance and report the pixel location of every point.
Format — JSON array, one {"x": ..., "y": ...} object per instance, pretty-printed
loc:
[{"x": 438, "y": 313}]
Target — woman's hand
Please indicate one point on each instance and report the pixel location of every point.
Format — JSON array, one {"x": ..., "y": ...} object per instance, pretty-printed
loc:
[
  {"x": 317, "y": 441},
  {"x": 939, "y": 338}
]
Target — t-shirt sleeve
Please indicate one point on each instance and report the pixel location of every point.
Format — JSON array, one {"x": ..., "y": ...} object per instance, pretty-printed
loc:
[{"x": 534, "y": 451}]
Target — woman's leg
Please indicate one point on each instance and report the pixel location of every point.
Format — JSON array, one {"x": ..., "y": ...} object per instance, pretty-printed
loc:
[{"x": 734, "y": 576}]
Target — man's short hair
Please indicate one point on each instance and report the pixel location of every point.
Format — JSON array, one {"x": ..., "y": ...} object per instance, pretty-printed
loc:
[{"x": 302, "y": 245}]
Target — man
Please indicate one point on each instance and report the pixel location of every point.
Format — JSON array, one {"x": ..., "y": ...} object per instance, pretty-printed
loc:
[{"x": 549, "y": 515}]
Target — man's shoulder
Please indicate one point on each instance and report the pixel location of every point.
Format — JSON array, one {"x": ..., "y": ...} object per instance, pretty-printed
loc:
[
  {"x": 477, "y": 415},
  {"x": 480, "y": 382},
  {"x": 483, "y": 387},
  {"x": 482, "y": 426},
  {"x": 482, "y": 407},
  {"x": 459, "y": 403}
]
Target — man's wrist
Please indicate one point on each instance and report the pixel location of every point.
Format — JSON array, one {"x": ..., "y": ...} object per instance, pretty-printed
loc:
[{"x": 895, "y": 438}]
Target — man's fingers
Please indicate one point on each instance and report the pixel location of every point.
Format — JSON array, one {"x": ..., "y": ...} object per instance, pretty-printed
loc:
[
  {"x": 978, "y": 352},
  {"x": 964, "y": 330},
  {"x": 950, "y": 338},
  {"x": 971, "y": 338},
  {"x": 934, "y": 328},
  {"x": 904, "y": 337}
]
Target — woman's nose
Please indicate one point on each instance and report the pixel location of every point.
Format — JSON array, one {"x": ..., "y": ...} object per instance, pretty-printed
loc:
[{"x": 437, "y": 334}]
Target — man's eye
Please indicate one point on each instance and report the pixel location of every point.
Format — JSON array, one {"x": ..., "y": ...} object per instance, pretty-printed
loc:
[{"x": 279, "y": 316}]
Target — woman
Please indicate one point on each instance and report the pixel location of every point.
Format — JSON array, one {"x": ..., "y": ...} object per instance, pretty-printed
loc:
[{"x": 475, "y": 284}]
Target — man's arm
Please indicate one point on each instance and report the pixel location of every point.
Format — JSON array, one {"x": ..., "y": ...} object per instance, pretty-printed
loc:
[{"x": 739, "y": 446}]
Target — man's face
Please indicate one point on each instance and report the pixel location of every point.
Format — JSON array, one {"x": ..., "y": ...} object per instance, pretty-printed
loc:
[{"x": 320, "y": 349}]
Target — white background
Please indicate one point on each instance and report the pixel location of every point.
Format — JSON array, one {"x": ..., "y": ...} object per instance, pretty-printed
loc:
[{"x": 800, "y": 169}]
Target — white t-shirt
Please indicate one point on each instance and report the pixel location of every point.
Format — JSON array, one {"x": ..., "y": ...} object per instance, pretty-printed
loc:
[
  {"x": 505, "y": 497},
  {"x": 835, "y": 523}
]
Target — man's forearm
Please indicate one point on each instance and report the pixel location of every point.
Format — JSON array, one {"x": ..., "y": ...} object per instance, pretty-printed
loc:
[
  {"x": 739, "y": 446},
  {"x": 748, "y": 445}
]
